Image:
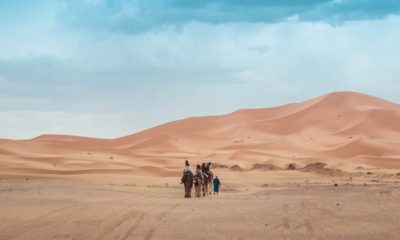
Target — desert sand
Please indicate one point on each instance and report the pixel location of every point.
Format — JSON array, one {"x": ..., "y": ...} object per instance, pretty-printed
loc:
[{"x": 326, "y": 168}]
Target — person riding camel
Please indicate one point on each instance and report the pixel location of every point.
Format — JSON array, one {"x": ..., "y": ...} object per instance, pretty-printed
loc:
[
  {"x": 204, "y": 170},
  {"x": 199, "y": 172},
  {"x": 208, "y": 167},
  {"x": 187, "y": 170}
]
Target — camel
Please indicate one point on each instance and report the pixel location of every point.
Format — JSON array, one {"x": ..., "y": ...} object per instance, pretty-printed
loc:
[
  {"x": 207, "y": 181},
  {"x": 198, "y": 185},
  {"x": 188, "y": 183},
  {"x": 211, "y": 180}
]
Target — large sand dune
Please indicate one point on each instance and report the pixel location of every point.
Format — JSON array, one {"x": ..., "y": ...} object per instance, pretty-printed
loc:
[
  {"x": 344, "y": 130},
  {"x": 327, "y": 168}
]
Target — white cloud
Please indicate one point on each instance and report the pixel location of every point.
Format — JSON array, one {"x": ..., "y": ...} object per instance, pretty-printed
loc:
[{"x": 107, "y": 85}]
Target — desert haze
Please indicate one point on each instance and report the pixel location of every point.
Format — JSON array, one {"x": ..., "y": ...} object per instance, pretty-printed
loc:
[{"x": 326, "y": 168}]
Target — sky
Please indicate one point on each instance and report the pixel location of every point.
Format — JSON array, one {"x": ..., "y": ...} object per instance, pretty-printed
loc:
[{"x": 104, "y": 68}]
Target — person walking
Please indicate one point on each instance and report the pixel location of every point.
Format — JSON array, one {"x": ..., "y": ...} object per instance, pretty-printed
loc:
[{"x": 217, "y": 185}]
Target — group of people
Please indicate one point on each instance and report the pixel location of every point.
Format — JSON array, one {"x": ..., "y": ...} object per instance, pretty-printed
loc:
[{"x": 204, "y": 172}]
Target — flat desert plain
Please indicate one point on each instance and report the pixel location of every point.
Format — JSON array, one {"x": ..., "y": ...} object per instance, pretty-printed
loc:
[
  {"x": 326, "y": 168},
  {"x": 256, "y": 205}
]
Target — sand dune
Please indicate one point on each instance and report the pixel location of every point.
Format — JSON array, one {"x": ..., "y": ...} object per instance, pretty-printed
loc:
[
  {"x": 335, "y": 129},
  {"x": 327, "y": 168}
]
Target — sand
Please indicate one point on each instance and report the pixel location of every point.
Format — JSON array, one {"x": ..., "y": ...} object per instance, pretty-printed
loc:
[
  {"x": 278, "y": 166},
  {"x": 344, "y": 130},
  {"x": 251, "y": 205}
]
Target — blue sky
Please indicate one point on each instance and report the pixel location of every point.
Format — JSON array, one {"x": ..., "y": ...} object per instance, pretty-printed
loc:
[{"x": 107, "y": 68}]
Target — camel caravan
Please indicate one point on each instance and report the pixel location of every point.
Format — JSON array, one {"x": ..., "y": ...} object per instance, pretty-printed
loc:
[{"x": 202, "y": 181}]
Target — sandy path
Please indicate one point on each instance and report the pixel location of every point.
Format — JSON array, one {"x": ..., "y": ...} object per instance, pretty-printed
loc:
[{"x": 71, "y": 209}]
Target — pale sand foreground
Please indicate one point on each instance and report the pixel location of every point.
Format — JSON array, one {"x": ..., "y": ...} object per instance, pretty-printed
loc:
[{"x": 294, "y": 205}]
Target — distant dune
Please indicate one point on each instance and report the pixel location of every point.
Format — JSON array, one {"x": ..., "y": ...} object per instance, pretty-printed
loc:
[{"x": 343, "y": 130}]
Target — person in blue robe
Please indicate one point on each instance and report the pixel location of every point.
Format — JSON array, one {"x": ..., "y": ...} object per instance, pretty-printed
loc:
[{"x": 217, "y": 185}]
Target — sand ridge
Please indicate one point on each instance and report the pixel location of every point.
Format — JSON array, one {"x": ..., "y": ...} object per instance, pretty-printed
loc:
[{"x": 344, "y": 130}]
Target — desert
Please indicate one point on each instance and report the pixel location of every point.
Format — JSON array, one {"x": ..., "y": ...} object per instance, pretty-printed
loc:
[
  {"x": 325, "y": 168},
  {"x": 199, "y": 120}
]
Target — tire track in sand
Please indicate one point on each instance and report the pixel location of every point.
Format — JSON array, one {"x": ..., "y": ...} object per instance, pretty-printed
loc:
[
  {"x": 285, "y": 221},
  {"x": 306, "y": 211},
  {"x": 111, "y": 228},
  {"x": 309, "y": 229},
  {"x": 132, "y": 227},
  {"x": 34, "y": 219},
  {"x": 130, "y": 215},
  {"x": 50, "y": 218},
  {"x": 150, "y": 232},
  {"x": 18, "y": 229}
]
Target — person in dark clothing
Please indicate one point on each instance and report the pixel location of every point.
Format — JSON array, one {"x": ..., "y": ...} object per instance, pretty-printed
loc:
[
  {"x": 204, "y": 170},
  {"x": 198, "y": 171},
  {"x": 203, "y": 167},
  {"x": 217, "y": 185},
  {"x": 208, "y": 166}
]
